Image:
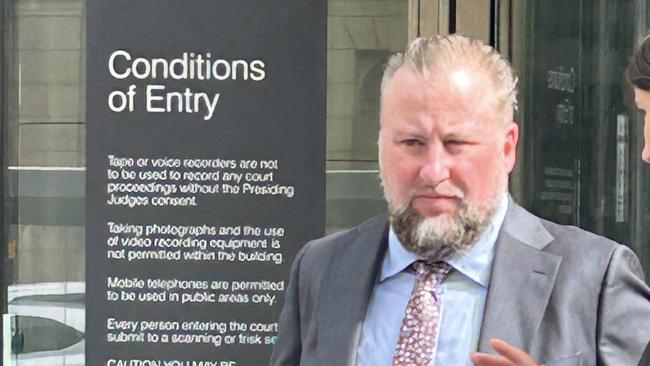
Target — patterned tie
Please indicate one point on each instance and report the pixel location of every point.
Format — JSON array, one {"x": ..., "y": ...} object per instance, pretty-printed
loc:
[{"x": 417, "y": 339}]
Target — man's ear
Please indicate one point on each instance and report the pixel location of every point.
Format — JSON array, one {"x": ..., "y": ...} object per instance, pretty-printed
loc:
[{"x": 510, "y": 146}]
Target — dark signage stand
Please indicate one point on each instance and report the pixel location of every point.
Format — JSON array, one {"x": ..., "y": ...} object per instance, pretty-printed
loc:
[{"x": 205, "y": 174}]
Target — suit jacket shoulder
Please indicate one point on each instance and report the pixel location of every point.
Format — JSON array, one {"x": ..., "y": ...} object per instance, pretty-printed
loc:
[
  {"x": 571, "y": 240},
  {"x": 330, "y": 245},
  {"x": 330, "y": 282},
  {"x": 562, "y": 293}
]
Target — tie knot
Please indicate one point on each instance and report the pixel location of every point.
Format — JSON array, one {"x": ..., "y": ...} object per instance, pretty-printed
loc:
[{"x": 439, "y": 269}]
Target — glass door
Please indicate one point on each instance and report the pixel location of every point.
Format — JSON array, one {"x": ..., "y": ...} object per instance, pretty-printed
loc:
[{"x": 581, "y": 135}]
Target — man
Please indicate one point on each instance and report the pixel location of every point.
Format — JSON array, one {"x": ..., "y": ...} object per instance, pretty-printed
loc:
[{"x": 457, "y": 266}]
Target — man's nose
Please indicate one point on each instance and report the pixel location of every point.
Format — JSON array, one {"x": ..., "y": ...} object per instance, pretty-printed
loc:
[{"x": 436, "y": 167}]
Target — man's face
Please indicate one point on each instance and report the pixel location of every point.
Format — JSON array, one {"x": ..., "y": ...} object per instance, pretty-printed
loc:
[{"x": 444, "y": 152}]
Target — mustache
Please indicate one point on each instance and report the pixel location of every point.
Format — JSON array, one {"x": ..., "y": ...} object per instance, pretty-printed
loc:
[{"x": 444, "y": 189}]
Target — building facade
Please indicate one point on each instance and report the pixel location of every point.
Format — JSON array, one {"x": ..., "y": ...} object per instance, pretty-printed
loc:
[{"x": 579, "y": 153}]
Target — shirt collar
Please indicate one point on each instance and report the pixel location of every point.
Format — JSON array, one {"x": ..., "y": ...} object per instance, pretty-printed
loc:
[{"x": 474, "y": 264}]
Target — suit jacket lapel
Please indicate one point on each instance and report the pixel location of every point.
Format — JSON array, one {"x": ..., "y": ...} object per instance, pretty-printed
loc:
[
  {"x": 347, "y": 291},
  {"x": 521, "y": 281}
]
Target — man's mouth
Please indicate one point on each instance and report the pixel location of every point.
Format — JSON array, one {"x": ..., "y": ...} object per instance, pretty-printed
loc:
[{"x": 434, "y": 204}]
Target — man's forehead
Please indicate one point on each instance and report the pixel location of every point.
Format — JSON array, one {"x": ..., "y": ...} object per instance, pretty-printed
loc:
[
  {"x": 459, "y": 81},
  {"x": 451, "y": 128},
  {"x": 461, "y": 91}
]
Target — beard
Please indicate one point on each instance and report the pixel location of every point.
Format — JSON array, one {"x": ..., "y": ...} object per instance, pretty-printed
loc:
[{"x": 437, "y": 238}]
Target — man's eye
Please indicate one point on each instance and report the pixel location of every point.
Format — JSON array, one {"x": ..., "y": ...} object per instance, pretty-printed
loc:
[
  {"x": 412, "y": 142},
  {"x": 455, "y": 142}
]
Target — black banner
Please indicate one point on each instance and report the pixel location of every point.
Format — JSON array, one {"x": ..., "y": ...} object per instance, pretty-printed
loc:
[{"x": 205, "y": 174}]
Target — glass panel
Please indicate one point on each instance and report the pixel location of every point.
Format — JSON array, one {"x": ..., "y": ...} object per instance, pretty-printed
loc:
[
  {"x": 582, "y": 135},
  {"x": 361, "y": 36},
  {"x": 44, "y": 181}
]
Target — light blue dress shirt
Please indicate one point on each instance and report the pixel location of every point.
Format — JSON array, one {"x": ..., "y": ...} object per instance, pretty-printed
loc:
[{"x": 463, "y": 301}]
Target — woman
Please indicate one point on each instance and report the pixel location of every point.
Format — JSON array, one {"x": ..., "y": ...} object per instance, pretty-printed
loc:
[{"x": 638, "y": 74}]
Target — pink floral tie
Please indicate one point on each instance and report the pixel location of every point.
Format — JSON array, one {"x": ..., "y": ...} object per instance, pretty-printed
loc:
[{"x": 417, "y": 338}]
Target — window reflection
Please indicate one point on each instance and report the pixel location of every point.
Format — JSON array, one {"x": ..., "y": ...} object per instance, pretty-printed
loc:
[
  {"x": 44, "y": 181},
  {"x": 361, "y": 37}
]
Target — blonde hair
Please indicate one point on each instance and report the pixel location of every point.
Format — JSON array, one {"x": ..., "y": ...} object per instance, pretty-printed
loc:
[{"x": 443, "y": 53}]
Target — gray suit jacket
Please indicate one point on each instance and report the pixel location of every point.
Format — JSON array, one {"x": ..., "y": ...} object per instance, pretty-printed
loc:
[{"x": 566, "y": 296}]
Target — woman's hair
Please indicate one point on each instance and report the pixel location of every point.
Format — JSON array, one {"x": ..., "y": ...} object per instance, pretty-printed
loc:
[{"x": 638, "y": 70}]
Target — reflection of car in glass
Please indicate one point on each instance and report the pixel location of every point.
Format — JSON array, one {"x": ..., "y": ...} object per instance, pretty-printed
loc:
[{"x": 47, "y": 324}]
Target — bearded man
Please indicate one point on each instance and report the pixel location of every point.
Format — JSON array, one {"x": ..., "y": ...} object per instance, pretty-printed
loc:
[{"x": 458, "y": 270}]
